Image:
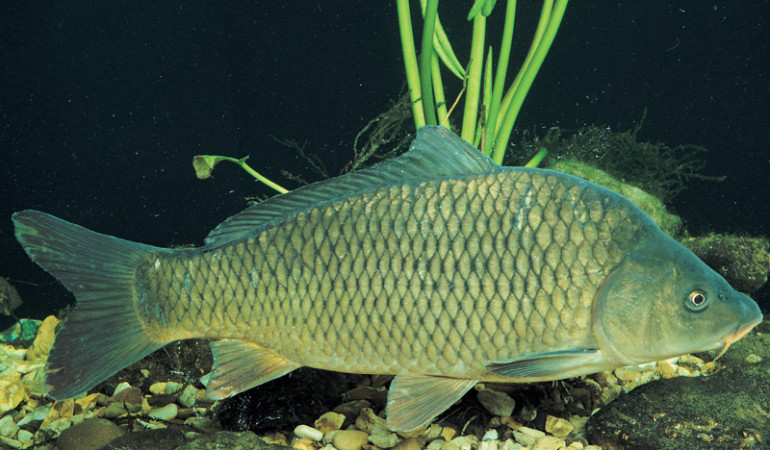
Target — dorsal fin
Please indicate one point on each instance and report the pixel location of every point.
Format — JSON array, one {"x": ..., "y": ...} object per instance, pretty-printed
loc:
[{"x": 435, "y": 152}]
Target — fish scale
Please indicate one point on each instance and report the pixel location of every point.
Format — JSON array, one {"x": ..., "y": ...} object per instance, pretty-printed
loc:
[
  {"x": 443, "y": 273},
  {"x": 438, "y": 266}
]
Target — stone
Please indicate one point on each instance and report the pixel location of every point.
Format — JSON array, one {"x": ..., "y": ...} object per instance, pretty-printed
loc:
[
  {"x": 548, "y": 443},
  {"x": 90, "y": 434},
  {"x": 496, "y": 402},
  {"x": 383, "y": 438},
  {"x": 558, "y": 427},
  {"x": 527, "y": 436},
  {"x": 120, "y": 387},
  {"x": 11, "y": 394},
  {"x": 306, "y": 432},
  {"x": 158, "y": 388},
  {"x": 691, "y": 413},
  {"x": 24, "y": 436},
  {"x": 201, "y": 423},
  {"x": 303, "y": 443},
  {"x": 8, "y": 427},
  {"x": 350, "y": 439},
  {"x": 190, "y": 395},
  {"x": 408, "y": 444},
  {"x": 172, "y": 387},
  {"x": 329, "y": 421},
  {"x": 465, "y": 442},
  {"x": 152, "y": 439},
  {"x": 166, "y": 413}
]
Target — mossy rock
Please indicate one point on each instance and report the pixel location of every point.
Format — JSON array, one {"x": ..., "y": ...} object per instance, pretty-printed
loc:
[
  {"x": 669, "y": 223},
  {"x": 743, "y": 261}
]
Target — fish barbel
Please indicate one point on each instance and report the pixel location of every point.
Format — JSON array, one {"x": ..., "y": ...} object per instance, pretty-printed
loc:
[{"x": 437, "y": 266}]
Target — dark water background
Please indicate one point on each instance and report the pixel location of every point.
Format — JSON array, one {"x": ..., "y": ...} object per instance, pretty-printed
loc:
[{"x": 103, "y": 104}]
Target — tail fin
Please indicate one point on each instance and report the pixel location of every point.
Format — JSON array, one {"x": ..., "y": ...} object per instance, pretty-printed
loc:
[{"x": 103, "y": 334}]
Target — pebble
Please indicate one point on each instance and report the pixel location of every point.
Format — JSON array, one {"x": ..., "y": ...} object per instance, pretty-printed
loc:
[
  {"x": 490, "y": 435},
  {"x": 527, "y": 436},
  {"x": 11, "y": 394},
  {"x": 200, "y": 423},
  {"x": 408, "y": 444},
  {"x": 465, "y": 442},
  {"x": 548, "y": 443},
  {"x": 491, "y": 444},
  {"x": 350, "y": 440},
  {"x": 558, "y": 427},
  {"x": 120, "y": 387},
  {"x": 508, "y": 444},
  {"x": 448, "y": 433},
  {"x": 437, "y": 444},
  {"x": 302, "y": 443},
  {"x": 306, "y": 432},
  {"x": 91, "y": 434},
  {"x": 24, "y": 436},
  {"x": 166, "y": 413},
  {"x": 190, "y": 395},
  {"x": 329, "y": 421},
  {"x": 496, "y": 402},
  {"x": 8, "y": 427}
]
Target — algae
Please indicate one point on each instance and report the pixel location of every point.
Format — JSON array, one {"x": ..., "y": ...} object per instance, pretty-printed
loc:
[{"x": 744, "y": 261}]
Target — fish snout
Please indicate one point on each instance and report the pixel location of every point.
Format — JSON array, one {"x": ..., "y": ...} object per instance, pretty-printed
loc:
[{"x": 752, "y": 316}]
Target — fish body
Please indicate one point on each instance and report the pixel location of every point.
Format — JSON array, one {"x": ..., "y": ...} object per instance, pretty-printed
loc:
[{"x": 438, "y": 266}]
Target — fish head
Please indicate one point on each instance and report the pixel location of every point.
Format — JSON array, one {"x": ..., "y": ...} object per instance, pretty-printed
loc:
[{"x": 663, "y": 301}]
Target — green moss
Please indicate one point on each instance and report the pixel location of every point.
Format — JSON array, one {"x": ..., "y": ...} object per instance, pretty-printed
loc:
[{"x": 743, "y": 261}]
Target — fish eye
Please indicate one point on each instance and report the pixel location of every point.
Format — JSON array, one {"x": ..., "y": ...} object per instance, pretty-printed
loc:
[{"x": 696, "y": 300}]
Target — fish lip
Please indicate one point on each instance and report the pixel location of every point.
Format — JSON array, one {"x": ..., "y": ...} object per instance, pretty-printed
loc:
[{"x": 741, "y": 330}]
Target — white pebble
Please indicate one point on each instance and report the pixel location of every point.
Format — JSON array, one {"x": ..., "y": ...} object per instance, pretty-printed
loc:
[
  {"x": 527, "y": 436},
  {"x": 121, "y": 387},
  {"x": 304, "y": 431},
  {"x": 490, "y": 435}
]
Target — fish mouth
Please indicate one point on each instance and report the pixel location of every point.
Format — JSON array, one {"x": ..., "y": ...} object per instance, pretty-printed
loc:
[{"x": 740, "y": 331}]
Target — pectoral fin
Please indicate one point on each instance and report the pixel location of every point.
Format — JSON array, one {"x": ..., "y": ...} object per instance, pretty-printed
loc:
[
  {"x": 241, "y": 365},
  {"x": 551, "y": 365},
  {"x": 414, "y": 400}
]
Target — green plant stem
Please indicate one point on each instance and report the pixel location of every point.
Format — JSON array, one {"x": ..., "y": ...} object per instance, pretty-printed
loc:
[
  {"x": 502, "y": 71},
  {"x": 551, "y": 16},
  {"x": 410, "y": 62},
  {"x": 438, "y": 91},
  {"x": 426, "y": 60},
  {"x": 470, "y": 114}
]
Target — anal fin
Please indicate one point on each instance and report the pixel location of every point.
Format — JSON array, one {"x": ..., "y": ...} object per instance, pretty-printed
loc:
[
  {"x": 241, "y": 365},
  {"x": 413, "y": 400}
]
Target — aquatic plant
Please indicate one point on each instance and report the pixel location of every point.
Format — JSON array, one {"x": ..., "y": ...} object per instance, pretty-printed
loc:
[
  {"x": 654, "y": 167},
  {"x": 488, "y": 115}
]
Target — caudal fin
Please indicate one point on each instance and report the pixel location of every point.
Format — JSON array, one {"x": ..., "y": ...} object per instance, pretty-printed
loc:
[{"x": 103, "y": 334}]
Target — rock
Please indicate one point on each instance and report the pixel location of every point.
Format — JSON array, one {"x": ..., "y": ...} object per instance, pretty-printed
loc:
[
  {"x": 329, "y": 421},
  {"x": 548, "y": 443},
  {"x": 11, "y": 394},
  {"x": 139, "y": 440},
  {"x": 200, "y": 423},
  {"x": 9, "y": 443},
  {"x": 166, "y": 413},
  {"x": 465, "y": 442},
  {"x": 350, "y": 440},
  {"x": 43, "y": 340},
  {"x": 158, "y": 388},
  {"x": 190, "y": 395},
  {"x": 496, "y": 402},
  {"x": 527, "y": 436},
  {"x": 24, "y": 436},
  {"x": 383, "y": 438},
  {"x": 408, "y": 444},
  {"x": 89, "y": 434},
  {"x": 306, "y": 432},
  {"x": 693, "y": 413},
  {"x": 8, "y": 427},
  {"x": 558, "y": 427},
  {"x": 120, "y": 387}
]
